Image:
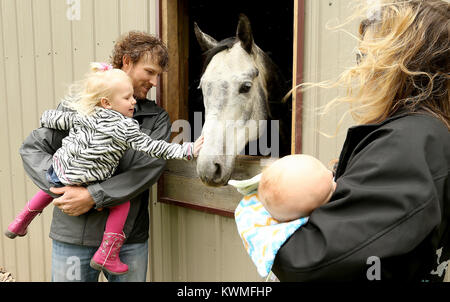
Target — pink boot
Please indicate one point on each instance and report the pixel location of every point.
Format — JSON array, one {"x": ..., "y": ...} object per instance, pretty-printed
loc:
[
  {"x": 19, "y": 226},
  {"x": 107, "y": 256},
  {"x": 34, "y": 207}
]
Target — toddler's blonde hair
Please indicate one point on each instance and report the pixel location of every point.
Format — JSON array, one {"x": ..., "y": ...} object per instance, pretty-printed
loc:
[{"x": 83, "y": 96}]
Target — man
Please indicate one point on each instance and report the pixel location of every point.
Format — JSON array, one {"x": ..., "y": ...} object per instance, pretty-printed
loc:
[{"x": 78, "y": 222}]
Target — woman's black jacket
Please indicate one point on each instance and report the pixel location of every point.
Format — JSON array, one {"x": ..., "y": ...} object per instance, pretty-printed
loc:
[{"x": 389, "y": 216}]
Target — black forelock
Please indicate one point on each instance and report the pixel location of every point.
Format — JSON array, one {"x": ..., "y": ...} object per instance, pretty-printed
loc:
[{"x": 222, "y": 45}]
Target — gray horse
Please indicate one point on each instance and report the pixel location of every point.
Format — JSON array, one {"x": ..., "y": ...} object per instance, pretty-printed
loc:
[{"x": 242, "y": 91}]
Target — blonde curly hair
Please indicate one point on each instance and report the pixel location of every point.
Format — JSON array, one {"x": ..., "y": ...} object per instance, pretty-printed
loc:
[
  {"x": 403, "y": 64},
  {"x": 83, "y": 96}
]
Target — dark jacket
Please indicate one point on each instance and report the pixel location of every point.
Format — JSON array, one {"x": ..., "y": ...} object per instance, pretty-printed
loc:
[
  {"x": 392, "y": 203},
  {"x": 134, "y": 176}
]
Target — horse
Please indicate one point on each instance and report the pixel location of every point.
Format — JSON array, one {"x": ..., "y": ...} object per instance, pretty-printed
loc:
[{"x": 242, "y": 88}]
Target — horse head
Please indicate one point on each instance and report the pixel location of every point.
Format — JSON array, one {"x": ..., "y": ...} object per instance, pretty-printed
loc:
[{"x": 239, "y": 82}]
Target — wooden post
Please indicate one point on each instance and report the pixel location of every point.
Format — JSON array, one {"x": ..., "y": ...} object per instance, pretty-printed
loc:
[
  {"x": 175, "y": 33},
  {"x": 297, "y": 77}
]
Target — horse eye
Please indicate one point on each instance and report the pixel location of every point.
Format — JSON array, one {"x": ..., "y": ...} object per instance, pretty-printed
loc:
[{"x": 245, "y": 87}]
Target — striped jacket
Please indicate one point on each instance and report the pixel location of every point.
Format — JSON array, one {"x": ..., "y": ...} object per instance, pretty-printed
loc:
[{"x": 95, "y": 144}]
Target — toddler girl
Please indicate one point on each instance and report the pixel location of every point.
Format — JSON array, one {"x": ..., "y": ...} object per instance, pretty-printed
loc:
[{"x": 101, "y": 128}]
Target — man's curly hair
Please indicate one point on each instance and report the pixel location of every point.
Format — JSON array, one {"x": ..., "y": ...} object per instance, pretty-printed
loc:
[{"x": 136, "y": 44}]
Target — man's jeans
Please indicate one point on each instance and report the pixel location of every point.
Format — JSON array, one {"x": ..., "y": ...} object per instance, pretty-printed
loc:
[{"x": 70, "y": 263}]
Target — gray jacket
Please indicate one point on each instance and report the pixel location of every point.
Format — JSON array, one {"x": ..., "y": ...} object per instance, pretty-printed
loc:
[{"x": 131, "y": 181}]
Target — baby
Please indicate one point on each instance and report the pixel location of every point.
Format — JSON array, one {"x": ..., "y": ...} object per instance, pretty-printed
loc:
[
  {"x": 277, "y": 202},
  {"x": 294, "y": 186}
]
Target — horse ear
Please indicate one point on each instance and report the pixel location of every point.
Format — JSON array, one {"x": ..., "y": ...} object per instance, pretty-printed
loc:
[
  {"x": 244, "y": 33},
  {"x": 206, "y": 42}
]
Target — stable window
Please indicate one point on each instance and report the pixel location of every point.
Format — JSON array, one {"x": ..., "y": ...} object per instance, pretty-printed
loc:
[{"x": 277, "y": 30}]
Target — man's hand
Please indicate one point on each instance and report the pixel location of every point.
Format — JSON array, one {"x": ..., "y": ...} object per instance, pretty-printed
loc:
[{"x": 74, "y": 201}]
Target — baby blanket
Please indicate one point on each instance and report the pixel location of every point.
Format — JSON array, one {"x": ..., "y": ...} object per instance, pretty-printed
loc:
[{"x": 261, "y": 234}]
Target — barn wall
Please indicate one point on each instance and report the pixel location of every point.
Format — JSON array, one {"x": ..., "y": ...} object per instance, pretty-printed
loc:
[
  {"x": 41, "y": 51},
  {"x": 327, "y": 53}
]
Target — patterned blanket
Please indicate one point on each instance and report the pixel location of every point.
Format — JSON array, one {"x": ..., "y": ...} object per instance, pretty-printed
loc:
[{"x": 261, "y": 234}]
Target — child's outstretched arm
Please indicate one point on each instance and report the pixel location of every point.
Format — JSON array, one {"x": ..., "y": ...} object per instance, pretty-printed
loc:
[
  {"x": 56, "y": 119},
  {"x": 139, "y": 141}
]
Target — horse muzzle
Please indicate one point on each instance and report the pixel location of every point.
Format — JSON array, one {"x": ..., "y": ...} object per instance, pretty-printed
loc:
[{"x": 215, "y": 171}]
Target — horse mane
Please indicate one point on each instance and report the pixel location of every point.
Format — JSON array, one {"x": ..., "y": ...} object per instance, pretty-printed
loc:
[
  {"x": 277, "y": 87},
  {"x": 222, "y": 45}
]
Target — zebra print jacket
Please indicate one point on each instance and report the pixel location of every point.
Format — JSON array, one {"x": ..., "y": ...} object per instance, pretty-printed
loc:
[{"x": 95, "y": 144}]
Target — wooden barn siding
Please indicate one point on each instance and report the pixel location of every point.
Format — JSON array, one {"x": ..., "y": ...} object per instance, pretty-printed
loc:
[{"x": 41, "y": 52}]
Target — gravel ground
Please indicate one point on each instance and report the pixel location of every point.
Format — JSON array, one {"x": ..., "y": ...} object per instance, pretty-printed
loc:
[{"x": 6, "y": 276}]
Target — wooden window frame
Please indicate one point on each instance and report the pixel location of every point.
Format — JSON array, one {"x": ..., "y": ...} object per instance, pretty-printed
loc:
[{"x": 173, "y": 34}]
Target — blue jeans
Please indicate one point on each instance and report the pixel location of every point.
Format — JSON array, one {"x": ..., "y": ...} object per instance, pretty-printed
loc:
[
  {"x": 53, "y": 178},
  {"x": 70, "y": 263}
]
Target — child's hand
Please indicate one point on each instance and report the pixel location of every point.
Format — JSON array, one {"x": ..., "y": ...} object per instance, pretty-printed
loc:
[{"x": 198, "y": 145}]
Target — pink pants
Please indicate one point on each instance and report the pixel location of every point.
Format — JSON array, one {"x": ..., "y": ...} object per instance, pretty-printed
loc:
[{"x": 116, "y": 219}]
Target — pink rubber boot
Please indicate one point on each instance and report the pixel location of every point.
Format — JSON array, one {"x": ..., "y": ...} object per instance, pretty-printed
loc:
[
  {"x": 34, "y": 207},
  {"x": 107, "y": 256}
]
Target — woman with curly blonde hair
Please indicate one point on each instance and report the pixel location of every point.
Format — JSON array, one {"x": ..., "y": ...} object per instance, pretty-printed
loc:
[{"x": 389, "y": 216}]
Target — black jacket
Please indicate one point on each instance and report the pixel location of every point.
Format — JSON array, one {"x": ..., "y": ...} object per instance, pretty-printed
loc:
[
  {"x": 390, "y": 211},
  {"x": 135, "y": 174}
]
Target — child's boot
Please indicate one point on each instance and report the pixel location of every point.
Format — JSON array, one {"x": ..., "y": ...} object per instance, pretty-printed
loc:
[
  {"x": 107, "y": 256},
  {"x": 20, "y": 224},
  {"x": 34, "y": 207}
]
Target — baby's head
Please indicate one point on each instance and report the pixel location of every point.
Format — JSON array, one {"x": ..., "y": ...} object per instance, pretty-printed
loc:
[
  {"x": 294, "y": 186},
  {"x": 109, "y": 88}
]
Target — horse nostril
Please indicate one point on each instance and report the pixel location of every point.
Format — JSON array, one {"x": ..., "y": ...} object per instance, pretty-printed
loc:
[{"x": 218, "y": 171}]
